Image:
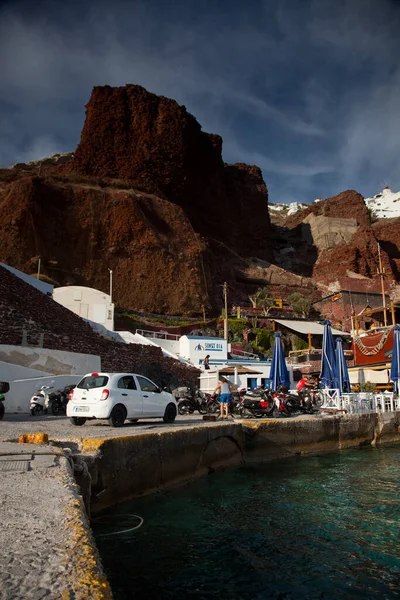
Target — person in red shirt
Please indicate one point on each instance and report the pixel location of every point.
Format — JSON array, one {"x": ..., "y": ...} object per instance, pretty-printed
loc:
[{"x": 301, "y": 385}]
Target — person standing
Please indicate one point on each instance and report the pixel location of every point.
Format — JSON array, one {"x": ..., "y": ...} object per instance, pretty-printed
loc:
[
  {"x": 224, "y": 397},
  {"x": 207, "y": 362}
]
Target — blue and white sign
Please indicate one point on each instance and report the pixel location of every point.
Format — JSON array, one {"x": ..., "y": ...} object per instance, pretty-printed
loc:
[{"x": 209, "y": 347}]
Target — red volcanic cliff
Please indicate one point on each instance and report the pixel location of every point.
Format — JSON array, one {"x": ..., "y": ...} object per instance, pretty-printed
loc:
[
  {"x": 82, "y": 230},
  {"x": 132, "y": 134},
  {"x": 356, "y": 252},
  {"x": 346, "y": 205},
  {"x": 148, "y": 195}
]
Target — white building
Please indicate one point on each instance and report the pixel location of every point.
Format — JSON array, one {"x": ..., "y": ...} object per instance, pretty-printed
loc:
[
  {"x": 87, "y": 303},
  {"x": 192, "y": 350}
]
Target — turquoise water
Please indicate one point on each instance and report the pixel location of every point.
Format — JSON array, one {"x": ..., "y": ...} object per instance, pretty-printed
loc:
[{"x": 315, "y": 527}]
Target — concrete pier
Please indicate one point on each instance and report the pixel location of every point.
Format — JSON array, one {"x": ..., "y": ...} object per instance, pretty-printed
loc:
[{"x": 46, "y": 546}]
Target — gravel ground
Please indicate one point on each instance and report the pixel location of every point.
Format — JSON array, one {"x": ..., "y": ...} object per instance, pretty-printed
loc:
[{"x": 42, "y": 531}]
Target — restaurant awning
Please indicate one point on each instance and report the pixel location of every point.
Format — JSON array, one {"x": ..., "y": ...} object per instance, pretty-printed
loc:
[
  {"x": 308, "y": 327},
  {"x": 240, "y": 370}
]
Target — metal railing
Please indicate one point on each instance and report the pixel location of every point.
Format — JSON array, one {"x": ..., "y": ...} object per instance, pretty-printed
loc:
[
  {"x": 243, "y": 354},
  {"x": 158, "y": 335}
]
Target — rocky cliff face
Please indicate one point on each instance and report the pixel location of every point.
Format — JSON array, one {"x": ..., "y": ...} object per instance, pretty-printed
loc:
[
  {"x": 335, "y": 237},
  {"x": 148, "y": 195},
  {"x": 134, "y": 135},
  {"x": 82, "y": 230}
]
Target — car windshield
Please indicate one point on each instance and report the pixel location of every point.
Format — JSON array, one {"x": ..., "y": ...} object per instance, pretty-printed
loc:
[{"x": 93, "y": 381}]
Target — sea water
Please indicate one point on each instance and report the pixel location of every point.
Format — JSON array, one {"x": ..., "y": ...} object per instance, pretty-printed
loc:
[{"x": 308, "y": 527}]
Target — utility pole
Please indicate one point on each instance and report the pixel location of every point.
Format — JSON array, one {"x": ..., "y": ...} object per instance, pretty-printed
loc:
[
  {"x": 381, "y": 273},
  {"x": 111, "y": 282},
  {"x": 38, "y": 269},
  {"x": 226, "y": 311},
  {"x": 204, "y": 313}
]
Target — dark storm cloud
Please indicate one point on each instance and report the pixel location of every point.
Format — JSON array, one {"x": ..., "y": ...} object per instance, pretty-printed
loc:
[{"x": 308, "y": 90}]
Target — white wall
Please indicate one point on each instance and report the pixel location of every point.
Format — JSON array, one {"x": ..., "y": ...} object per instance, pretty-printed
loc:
[
  {"x": 17, "y": 399},
  {"x": 196, "y": 348},
  {"x": 56, "y": 362},
  {"x": 87, "y": 303},
  {"x": 172, "y": 346},
  {"x": 208, "y": 379}
]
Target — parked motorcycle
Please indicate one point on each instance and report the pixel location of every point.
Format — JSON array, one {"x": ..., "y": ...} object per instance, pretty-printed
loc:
[
  {"x": 59, "y": 400},
  {"x": 257, "y": 403},
  {"x": 307, "y": 402},
  {"x": 40, "y": 401},
  {"x": 4, "y": 388},
  {"x": 189, "y": 402},
  {"x": 286, "y": 403}
]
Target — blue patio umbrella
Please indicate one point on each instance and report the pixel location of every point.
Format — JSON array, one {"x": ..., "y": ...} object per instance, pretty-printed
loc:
[
  {"x": 328, "y": 376},
  {"x": 395, "y": 366},
  {"x": 341, "y": 367},
  {"x": 278, "y": 373}
]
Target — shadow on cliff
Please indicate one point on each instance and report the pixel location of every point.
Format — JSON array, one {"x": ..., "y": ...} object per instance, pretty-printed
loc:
[
  {"x": 393, "y": 252},
  {"x": 294, "y": 249}
]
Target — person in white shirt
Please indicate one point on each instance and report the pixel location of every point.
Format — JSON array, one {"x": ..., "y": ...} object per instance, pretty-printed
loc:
[{"x": 224, "y": 397}]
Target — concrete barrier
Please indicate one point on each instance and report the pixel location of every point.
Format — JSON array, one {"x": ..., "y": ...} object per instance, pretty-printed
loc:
[{"x": 112, "y": 470}]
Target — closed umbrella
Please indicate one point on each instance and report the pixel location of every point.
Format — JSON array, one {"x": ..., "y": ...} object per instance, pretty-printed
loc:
[
  {"x": 278, "y": 373},
  {"x": 341, "y": 366},
  {"x": 395, "y": 366},
  {"x": 328, "y": 377}
]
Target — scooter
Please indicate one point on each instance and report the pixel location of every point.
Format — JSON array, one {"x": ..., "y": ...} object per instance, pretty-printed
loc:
[
  {"x": 257, "y": 403},
  {"x": 4, "y": 388},
  {"x": 40, "y": 401},
  {"x": 187, "y": 403}
]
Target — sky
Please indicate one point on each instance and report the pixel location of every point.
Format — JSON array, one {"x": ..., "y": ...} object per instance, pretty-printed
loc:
[{"x": 308, "y": 90}]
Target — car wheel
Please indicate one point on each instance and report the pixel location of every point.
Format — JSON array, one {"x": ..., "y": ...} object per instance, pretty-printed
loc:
[
  {"x": 118, "y": 416},
  {"x": 170, "y": 413},
  {"x": 78, "y": 421},
  {"x": 133, "y": 420}
]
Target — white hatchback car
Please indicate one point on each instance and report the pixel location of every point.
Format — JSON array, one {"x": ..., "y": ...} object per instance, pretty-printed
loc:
[{"x": 119, "y": 396}]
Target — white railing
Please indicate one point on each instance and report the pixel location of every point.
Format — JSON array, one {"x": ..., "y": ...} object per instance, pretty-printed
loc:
[
  {"x": 361, "y": 402},
  {"x": 331, "y": 398},
  {"x": 243, "y": 354},
  {"x": 158, "y": 335}
]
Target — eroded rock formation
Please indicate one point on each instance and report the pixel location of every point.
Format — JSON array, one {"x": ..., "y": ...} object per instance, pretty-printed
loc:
[
  {"x": 332, "y": 237},
  {"x": 148, "y": 195},
  {"x": 132, "y": 134}
]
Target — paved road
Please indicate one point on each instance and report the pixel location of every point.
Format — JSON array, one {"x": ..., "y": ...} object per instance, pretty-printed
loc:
[{"x": 60, "y": 428}]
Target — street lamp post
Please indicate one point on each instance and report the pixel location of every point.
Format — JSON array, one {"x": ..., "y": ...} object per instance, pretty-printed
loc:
[{"x": 111, "y": 283}]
